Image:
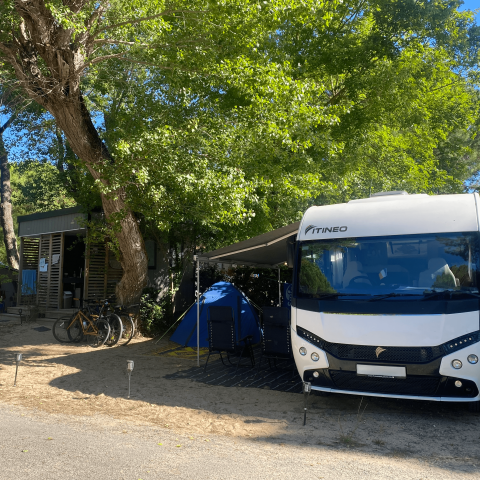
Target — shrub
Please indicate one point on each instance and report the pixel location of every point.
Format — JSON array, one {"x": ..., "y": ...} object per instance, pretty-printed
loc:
[{"x": 156, "y": 316}]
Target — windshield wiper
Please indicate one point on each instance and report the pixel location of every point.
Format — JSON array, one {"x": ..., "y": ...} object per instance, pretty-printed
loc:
[
  {"x": 472, "y": 294},
  {"x": 447, "y": 294},
  {"x": 323, "y": 296},
  {"x": 434, "y": 294},
  {"x": 393, "y": 294}
]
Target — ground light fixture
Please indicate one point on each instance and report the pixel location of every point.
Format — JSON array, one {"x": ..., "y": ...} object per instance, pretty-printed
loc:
[
  {"x": 18, "y": 359},
  {"x": 473, "y": 359},
  {"x": 307, "y": 388},
  {"x": 457, "y": 364},
  {"x": 130, "y": 365}
]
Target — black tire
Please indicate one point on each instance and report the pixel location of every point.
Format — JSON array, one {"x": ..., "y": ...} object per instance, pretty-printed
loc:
[
  {"x": 474, "y": 407},
  {"x": 128, "y": 329},
  {"x": 116, "y": 330},
  {"x": 61, "y": 330},
  {"x": 75, "y": 331},
  {"x": 98, "y": 339}
]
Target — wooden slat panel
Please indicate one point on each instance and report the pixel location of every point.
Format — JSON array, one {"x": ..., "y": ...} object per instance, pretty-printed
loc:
[
  {"x": 55, "y": 271},
  {"x": 43, "y": 277},
  {"x": 103, "y": 272},
  {"x": 114, "y": 273},
  {"x": 96, "y": 272},
  {"x": 28, "y": 261},
  {"x": 30, "y": 253}
]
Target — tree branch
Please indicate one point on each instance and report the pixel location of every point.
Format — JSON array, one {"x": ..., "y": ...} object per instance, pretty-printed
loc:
[
  {"x": 445, "y": 86},
  {"x": 151, "y": 17},
  {"x": 120, "y": 42},
  {"x": 95, "y": 15}
]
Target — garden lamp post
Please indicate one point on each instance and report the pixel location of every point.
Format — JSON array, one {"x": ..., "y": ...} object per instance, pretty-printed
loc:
[
  {"x": 18, "y": 359},
  {"x": 307, "y": 388},
  {"x": 130, "y": 365}
]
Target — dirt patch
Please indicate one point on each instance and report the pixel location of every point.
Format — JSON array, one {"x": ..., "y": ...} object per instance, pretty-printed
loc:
[{"x": 81, "y": 381}]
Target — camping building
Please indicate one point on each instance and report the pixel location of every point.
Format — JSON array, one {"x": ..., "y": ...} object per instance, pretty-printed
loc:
[{"x": 56, "y": 264}]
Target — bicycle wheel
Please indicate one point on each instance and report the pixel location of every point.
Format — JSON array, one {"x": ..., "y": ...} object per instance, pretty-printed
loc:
[
  {"x": 75, "y": 331},
  {"x": 61, "y": 330},
  {"x": 98, "y": 338},
  {"x": 128, "y": 329},
  {"x": 116, "y": 330}
]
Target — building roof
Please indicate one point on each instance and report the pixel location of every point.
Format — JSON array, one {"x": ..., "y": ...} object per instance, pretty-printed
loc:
[
  {"x": 50, "y": 214},
  {"x": 56, "y": 221}
]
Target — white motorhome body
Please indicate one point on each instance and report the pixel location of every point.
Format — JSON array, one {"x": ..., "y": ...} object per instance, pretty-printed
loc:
[{"x": 386, "y": 298}]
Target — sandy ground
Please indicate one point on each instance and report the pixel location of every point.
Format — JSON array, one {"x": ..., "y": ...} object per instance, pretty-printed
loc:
[{"x": 79, "y": 381}]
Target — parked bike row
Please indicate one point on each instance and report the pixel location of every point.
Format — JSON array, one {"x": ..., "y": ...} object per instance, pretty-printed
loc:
[{"x": 97, "y": 323}]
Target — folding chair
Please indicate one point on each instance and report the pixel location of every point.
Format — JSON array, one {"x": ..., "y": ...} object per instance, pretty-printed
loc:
[
  {"x": 276, "y": 341},
  {"x": 221, "y": 336}
]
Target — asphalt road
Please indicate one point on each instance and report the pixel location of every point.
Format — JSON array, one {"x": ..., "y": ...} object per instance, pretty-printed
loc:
[{"x": 34, "y": 445}]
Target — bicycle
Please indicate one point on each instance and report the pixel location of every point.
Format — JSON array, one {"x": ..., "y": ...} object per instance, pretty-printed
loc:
[
  {"x": 116, "y": 325},
  {"x": 83, "y": 325},
  {"x": 127, "y": 315}
]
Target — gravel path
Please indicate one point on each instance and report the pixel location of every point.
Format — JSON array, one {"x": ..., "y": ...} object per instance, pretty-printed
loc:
[{"x": 37, "y": 445}]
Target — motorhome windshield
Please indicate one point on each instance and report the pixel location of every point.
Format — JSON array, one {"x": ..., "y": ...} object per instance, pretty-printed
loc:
[{"x": 407, "y": 265}]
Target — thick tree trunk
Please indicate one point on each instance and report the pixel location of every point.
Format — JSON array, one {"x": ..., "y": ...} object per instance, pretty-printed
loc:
[
  {"x": 75, "y": 121},
  {"x": 48, "y": 60},
  {"x": 6, "y": 220}
]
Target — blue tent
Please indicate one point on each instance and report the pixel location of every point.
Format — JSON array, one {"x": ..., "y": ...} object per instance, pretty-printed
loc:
[{"x": 221, "y": 294}]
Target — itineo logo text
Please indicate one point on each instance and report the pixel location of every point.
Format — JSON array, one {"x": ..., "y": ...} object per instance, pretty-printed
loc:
[{"x": 314, "y": 229}]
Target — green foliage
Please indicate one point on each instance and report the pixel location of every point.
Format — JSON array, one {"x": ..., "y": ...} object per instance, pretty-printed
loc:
[
  {"x": 226, "y": 119},
  {"x": 313, "y": 280},
  {"x": 156, "y": 316},
  {"x": 38, "y": 187}
]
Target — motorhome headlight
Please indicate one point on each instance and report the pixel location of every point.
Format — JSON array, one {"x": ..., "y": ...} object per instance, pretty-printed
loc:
[
  {"x": 316, "y": 374},
  {"x": 473, "y": 359},
  {"x": 303, "y": 351},
  {"x": 315, "y": 356},
  {"x": 457, "y": 364}
]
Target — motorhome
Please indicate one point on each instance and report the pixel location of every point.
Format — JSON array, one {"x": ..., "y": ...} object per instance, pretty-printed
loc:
[{"x": 386, "y": 297}]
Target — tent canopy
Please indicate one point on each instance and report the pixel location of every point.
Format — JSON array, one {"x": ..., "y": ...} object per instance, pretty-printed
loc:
[
  {"x": 268, "y": 250},
  {"x": 222, "y": 294}
]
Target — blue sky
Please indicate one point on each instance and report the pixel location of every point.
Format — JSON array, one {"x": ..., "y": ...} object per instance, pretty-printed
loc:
[{"x": 471, "y": 5}]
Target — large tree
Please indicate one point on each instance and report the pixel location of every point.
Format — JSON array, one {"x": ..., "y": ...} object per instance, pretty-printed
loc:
[
  {"x": 221, "y": 105},
  {"x": 50, "y": 45}
]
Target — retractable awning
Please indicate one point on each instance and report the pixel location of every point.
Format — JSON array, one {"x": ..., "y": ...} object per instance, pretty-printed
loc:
[{"x": 268, "y": 250}]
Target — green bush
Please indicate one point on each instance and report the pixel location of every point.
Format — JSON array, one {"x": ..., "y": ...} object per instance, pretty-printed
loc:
[{"x": 156, "y": 316}]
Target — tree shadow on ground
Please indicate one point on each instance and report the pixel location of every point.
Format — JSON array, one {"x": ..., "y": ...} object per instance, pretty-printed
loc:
[{"x": 444, "y": 433}]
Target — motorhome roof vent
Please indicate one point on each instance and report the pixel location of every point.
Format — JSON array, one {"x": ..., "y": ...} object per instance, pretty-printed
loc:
[{"x": 395, "y": 192}]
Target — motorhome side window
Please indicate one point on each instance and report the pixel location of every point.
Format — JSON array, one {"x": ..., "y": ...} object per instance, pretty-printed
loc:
[{"x": 405, "y": 265}]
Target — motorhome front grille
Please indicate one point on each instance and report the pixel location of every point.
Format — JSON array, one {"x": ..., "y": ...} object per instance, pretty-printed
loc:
[
  {"x": 390, "y": 354},
  {"x": 381, "y": 353},
  {"x": 420, "y": 385}
]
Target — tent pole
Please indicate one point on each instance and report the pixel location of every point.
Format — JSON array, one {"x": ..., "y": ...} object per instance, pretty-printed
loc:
[
  {"x": 279, "y": 289},
  {"x": 198, "y": 312}
]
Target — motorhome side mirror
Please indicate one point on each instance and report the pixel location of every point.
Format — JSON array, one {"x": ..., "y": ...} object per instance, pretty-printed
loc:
[{"x": 291, "y": 244}]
